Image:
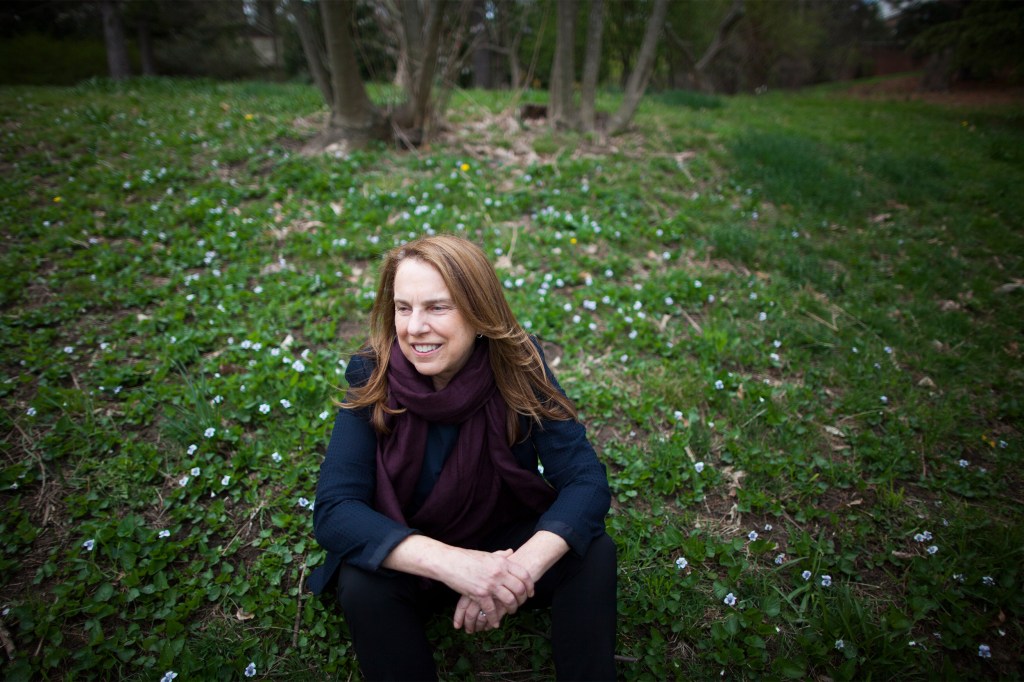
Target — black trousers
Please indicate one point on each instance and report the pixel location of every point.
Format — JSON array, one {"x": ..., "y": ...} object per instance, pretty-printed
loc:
[{"x": 386, "y": 613}]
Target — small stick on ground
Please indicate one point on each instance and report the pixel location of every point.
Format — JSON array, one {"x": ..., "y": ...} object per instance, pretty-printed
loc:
[{"x": 298, "y": 608}]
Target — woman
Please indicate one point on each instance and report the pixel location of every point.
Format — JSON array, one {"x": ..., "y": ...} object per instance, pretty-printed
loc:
[{"x": 430, "y": 491}]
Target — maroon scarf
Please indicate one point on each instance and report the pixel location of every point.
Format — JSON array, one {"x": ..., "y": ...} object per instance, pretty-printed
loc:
[{"x": 481, "y": 475}]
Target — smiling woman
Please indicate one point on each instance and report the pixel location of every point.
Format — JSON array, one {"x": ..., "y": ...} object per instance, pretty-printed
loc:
[
  {"x": 431, "y": 494},
  {"x": 432, "y": 332}
]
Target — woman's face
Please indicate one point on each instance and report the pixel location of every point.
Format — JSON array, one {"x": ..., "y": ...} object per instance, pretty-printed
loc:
[{"x": 432, "y": 333}]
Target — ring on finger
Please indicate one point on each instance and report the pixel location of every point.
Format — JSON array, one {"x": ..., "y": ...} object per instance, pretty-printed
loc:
[{"x": 482, "y": 614}]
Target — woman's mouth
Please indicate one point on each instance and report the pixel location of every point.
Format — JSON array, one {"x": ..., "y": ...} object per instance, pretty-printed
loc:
[{"x": 425, "y": 348}]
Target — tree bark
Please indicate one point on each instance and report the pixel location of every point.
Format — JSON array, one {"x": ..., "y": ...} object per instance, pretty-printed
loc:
[
  {"x": 268, "y": 11},
  {"x": 482, "y": 72},
  {"x": 591, "y": 65},
  {"x": 409, "y": 27},
  {"x": 455, "y": 56},
  {"x": 113, "y": 37},
  {"x": 641, "y": 75},
  {"x": 354, "y": 119},
  {"x": 313, "y": 49},
  {"x": 415, "y": 114},
  {"x": 515, "y": 69},
  {"x": 146, "y": 48},
  {"x": 561, "y": 111}
]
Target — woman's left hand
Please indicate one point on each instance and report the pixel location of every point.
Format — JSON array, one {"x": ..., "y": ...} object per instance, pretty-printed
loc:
[
  {"x": 535, "y": 556},
  {"x": 471, "y": 617}
]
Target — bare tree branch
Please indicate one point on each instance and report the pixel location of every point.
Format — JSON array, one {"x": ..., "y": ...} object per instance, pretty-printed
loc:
[{"x": 728, "y": 24}]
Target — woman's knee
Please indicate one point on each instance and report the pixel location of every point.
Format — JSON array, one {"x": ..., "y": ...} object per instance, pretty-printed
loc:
[
  {"x": 605, "y": 547},
  {"x": 362, "y": 591},
  {"x": 603, "y": 554}
]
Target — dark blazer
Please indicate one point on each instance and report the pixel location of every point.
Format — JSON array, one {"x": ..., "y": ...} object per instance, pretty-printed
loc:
[{"x": 346, "y": 524}]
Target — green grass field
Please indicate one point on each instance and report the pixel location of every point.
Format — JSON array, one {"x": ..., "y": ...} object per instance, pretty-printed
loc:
[{"x": 792, "y": 323}]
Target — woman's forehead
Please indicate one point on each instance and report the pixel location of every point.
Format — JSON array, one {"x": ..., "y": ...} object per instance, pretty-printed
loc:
[{"x": 419, "y": 280}]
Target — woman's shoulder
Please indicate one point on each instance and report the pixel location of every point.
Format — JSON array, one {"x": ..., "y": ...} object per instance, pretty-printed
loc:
[{"x": 360, "y": 367}]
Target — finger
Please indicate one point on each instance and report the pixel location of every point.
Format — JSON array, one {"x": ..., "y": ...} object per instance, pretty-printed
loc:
[
  {"x": 480, "y": 623},
  {"x": 509, "y": 599},
  {"x": 517, "y": 575},
  {"x": 482, "y": 620},
  {"x": 522, "y": 574},
  {"x": 462, "y": 612},
  {"x": 497, "y": 622},
  {"x": 517, "y": 588},
  {"x": 493, "y": 611}
]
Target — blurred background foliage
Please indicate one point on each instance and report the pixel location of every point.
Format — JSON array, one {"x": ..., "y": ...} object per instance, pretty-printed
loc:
[{"x": 773, "y": 44}]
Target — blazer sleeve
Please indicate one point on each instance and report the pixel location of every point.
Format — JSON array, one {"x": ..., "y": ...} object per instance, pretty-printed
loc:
[
  {"x": 344, "y": 521},
  {"x": 571, "y": 466}
]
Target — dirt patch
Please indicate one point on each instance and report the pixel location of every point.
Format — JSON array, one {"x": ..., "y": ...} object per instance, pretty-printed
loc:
[{"x": 909, "y": 88}]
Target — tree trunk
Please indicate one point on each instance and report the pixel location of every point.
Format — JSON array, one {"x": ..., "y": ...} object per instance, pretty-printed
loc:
[
  {"x": 354, "y": 120},
  {"x": 455, "y": 56},
  {"x": 482, "y": 76},
  {"x": 410, "y": 40},
  {"x": 415, "y": 114},
  {"x": 515, "y": 69},
  {"x": 561, "y": 111},
  {"x": 268, "y": 11},
  {"x": 313, "y": 49},
  {"x": 591, "y": 65},
  {"x": 146, "y": 48},
  {"x": 641, "y": 75},
  {"x": 113, "y": 37}
]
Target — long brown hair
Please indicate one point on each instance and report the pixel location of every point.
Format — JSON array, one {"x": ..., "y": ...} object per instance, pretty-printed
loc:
[{"x": 474, "y": 287}]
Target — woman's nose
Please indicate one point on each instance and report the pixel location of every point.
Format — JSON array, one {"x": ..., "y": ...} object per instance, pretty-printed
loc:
[{"x": 417, "y": 322}]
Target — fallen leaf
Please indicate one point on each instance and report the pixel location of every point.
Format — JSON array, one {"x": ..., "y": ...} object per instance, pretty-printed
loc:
[
  {"x": 734, "y": 479},
  {"x": 1010, "y": 286}
]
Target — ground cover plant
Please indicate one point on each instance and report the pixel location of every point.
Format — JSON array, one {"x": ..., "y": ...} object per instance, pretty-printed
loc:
[{"x": 791, "y": 323}]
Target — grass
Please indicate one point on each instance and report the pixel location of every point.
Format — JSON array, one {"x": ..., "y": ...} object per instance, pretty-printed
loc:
[{"x": 791, "y": 322}]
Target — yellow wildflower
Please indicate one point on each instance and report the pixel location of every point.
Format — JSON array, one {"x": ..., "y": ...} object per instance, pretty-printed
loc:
[{"x": 464, "y": 167}]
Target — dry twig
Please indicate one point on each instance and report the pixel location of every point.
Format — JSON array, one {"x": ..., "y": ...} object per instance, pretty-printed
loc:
[{"x": 298, "y": 607}]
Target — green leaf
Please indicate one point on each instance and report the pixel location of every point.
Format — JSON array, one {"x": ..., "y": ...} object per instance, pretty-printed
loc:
[
  {"x": 104, "y": 592},
  {"x": 789, "y": 668}
]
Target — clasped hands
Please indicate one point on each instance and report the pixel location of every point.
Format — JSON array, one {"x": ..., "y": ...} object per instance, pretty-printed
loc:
[{"x": 492, "y": 585}]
